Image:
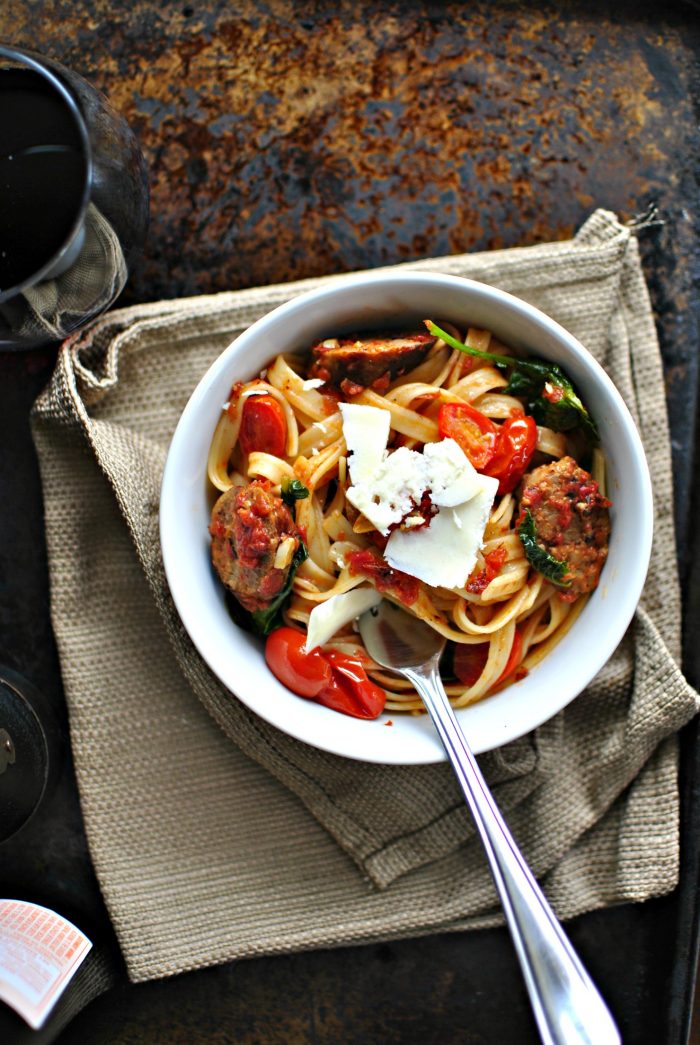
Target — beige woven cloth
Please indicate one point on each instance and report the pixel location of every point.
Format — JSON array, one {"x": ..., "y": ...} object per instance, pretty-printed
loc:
[{"x": 213, "y": 835}]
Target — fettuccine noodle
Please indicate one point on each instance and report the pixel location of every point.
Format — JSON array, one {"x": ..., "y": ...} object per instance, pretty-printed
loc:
[{"x": 483, "y": 613}]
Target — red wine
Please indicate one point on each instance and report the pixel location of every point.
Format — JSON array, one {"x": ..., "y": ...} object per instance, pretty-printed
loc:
[{"x": 43, "y": 172}]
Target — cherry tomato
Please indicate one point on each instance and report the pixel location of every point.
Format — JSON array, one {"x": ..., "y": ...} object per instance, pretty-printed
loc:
[
  {"x": 338, "y": 697},
  {"x": 473, "y": 431},
  {"x": 517, "y": 439},
  {"x": 360, "y": 697},
  {"x": 305, "y": 673},
  {"x": 263, "y": 426},
  {"x": 469, "y": 661},
  {"x": 334, "y": 679},
  {"x": 516, "y": 652}
]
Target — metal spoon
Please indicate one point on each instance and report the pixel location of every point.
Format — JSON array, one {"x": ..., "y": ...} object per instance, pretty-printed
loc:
[{"x": 567, "y": 1006}]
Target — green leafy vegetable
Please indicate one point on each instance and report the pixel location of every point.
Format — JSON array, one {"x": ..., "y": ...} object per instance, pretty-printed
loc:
[
  {"x": 265, "y": 621},
  {"x": 554, "y": 570},
  {"x": 552, "y": 400},
  {"x": 293, "y": 490}
]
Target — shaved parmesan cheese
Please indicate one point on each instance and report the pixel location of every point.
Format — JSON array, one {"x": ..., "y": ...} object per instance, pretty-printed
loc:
[
  {"x": 387, "y": 487},
  {"x": 391, "y": 488},
  {"x": 443, "y": 554},
  {"x": 329, "y": 617},
  {"x": 366, "y": 433},
  {"x": 450, "y": 476},
  {"x": 313, "y": 382}
]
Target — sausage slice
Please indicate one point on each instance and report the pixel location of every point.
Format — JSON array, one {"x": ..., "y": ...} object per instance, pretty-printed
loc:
[
  {"x": 248, "y": 525},
  {"x": 571, "y": 519},
  {"x": 370, "y": 360}
]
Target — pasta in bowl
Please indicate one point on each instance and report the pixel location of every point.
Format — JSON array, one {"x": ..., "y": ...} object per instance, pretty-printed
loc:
[{"x": 316, "y": 469}]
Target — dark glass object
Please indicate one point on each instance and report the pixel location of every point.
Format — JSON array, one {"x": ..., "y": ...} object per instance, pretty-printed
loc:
[
  {"x": 73, "y": 200},
  {"x": 31, "y": 745}
]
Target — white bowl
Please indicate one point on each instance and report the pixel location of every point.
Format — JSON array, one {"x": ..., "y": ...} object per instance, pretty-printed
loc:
[{"x": 236, "y": 657}]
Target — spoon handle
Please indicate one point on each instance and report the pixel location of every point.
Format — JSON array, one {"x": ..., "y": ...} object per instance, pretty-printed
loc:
[{"x": 567, "y": 1006}]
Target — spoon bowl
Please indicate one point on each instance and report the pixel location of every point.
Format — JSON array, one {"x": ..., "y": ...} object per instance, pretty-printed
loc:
[
  {"x": 565, "y": 1001},
  {"x": 397, "y": 639}
]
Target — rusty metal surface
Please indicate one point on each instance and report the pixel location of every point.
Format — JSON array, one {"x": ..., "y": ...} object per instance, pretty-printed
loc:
[{"x": 290, "y": 139}]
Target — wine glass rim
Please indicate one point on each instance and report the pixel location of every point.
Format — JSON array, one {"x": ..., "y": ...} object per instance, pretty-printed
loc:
[{"x": 36, "y": 63}]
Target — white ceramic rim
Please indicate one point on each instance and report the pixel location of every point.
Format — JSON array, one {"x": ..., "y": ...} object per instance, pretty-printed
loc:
[{"x": 198, "y": 596}]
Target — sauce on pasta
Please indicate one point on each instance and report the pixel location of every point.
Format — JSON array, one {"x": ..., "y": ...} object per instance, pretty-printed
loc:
[{"x": 280, "y": 468}]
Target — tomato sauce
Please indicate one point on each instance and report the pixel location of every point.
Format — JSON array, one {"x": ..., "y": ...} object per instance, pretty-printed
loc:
[
  {"x": 495, "y": 560},
  {"x": 384, "y": 577}
]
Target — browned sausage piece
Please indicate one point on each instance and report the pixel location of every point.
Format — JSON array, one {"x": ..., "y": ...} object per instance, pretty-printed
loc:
[
  {"x": 248, "y": 525},
  {"x": 571, "y": 520},
  {"x": 371, "y": 360}
]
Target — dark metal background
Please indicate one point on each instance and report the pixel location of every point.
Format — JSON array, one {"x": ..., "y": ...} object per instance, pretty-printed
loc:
[{"x": 294, "y": 139}]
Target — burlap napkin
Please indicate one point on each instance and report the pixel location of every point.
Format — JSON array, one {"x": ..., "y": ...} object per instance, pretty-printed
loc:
[{"x": 214, "y": 835}]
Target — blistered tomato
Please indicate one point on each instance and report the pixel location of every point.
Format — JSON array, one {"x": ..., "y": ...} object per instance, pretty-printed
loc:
[
  {"x": 517, "y": 439},
  {"x": 469, "y": 660},
  {"x": 263, "y": 426},
  {"x": 334, "y": 679},
  {"x": 306, "y": 674},
  {"x": 473, "y": 431},
  {"x": 354, "y": 693}
]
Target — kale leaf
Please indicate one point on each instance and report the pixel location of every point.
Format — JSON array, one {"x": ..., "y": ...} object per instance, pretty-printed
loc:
[
  {"x": 554, "y": 570},
  {"x": 293, "y": 490},
  {"x": 551, "y": 397},
  {"x": 265, "y": 621}
]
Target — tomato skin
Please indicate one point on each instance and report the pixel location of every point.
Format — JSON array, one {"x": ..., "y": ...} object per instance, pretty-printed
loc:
[
  {"x": 514, "y": 658},
  {"x": 333, "y": 696},
  {"x": 368, "y": 699},
  {"x": 469, "y": 661},
  {"x": 517, "y": 439},
  {"x": 494, "y": 561},
  {"x": 501, "y": 451},
  {"x": 473, "y": 431},
  {"x": 338, "y": 697},
  {"x": 305, "y": 673},
  {"x": 263, "y": 426},
  {"x": 334, "y": 679},
  {"x": 384, "y": 577}
]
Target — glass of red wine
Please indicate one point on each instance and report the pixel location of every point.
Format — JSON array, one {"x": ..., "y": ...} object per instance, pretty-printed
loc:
[{"x": 73, "y": 200}]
